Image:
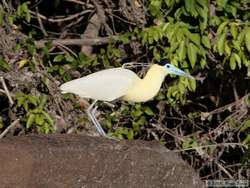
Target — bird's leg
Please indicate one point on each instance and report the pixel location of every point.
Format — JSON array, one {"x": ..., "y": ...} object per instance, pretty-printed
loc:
[
  {"x": 91, "y": 114},
  {"x": 94, "y": 111}
]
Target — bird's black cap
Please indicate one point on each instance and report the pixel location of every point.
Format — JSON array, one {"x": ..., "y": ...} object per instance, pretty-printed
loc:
[{"x": 163, "y": 62}]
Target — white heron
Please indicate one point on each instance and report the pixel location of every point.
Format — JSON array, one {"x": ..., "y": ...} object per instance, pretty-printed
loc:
[{"x": 120, "y": 83}]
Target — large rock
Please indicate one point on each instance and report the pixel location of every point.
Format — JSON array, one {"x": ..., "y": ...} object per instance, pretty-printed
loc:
[{"x": 80, "y": 161}]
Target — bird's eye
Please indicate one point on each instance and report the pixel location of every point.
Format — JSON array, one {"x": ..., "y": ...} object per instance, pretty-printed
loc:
[{"x": 168, "y": 66}]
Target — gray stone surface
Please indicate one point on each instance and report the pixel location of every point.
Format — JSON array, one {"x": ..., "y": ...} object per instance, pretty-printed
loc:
[{"x": 75, "y": 161}]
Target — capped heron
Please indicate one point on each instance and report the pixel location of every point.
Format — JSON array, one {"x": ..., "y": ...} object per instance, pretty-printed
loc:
[{"x": 119, "y": 83}]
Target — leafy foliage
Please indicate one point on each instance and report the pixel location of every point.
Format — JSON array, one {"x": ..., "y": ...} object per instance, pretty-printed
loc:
[{"x": 35, "y": 114}]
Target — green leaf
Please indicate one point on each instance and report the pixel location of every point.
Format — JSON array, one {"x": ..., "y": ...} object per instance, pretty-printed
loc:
[
  {"x": 155, "y": 8},
  {"x": 58, "y": 58},
  {"x": 247, "y": 39},
  {"x": 26, "y": 107},
  {"x": 227, "y": 49},
  {"x": 171, "y": 31},
  {"x": 192, "y": 53},
  {"x": 20, "y": 100},
  {"x": 1, "y": 16},
  {"x": 173, "y": 47},
  {"x": 30, "y": 120},
  {"x": 148, "y": 111},
  {"x": 70, "y": 58},
  {"x": 245, "y": 126},
  {"x": 19, "y": 10},
  {"x": 124, "y": 39},
  {"x": 194, "y": 37},
  {"x": 232, "y": 62},
  {"x": 4, "y": 66},
  {"x": 187, "y": 143},
  {"x": 182, "y": 51},
  {"x": 179, "y": 35},
  {"x": 23, "y": 11},
  {"x": 32, "y": 99},
  {"x": 221, "y": 3},
  {"x": 245, "y": 60},
  {"x": 221, "y": 28},
  {"x": 236, "y": 45},
  {"x": 231, "y": 9},
  {"x": 28, "y": 17},
  {"x": 190, "y": 7},
  {"x": 221, "y": 43},
  {"x": 39, "y": 119},
  {"x": 130, "y": 134},
  {"x": 203, "y": 3},
  {"x": 180, "y": 11},
  {"x": 233, "y": 30},
  {"x": 246, "y": 140},
  {"x": 238, "y": 59},
  {"x": 181, "y": 87},
  {"x": 206, "y": 42},
  {"x": 214, "y": 21},
  {"x": 192, "y": 84},
  {"x": 48, "y": 118},
  {"x": 11, "y": 19},
  {"x": 241, "y": 36},
  {"x": 43, "y": 100},
  {"x": 157, "y": 56},
  {"x": 136, "y": 113},
  {"x": 141, "y": 121},
  {"x": 46, "y": 128},
  {"x": 248, "y": 70},
  {"x": 144, "y": 36},
  {"x": 203, "y": 63},
  {"x": 1, "y": 122}
]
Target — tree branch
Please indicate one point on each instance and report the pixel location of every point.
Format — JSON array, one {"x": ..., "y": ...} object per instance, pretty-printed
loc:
[{"x": 77, "y": 42}]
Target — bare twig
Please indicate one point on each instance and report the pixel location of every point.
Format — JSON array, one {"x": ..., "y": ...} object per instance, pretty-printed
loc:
[
  {"x": 224, "y": 170},
  {"x": 168, "y": 131},
  {"x": 80, "y": 3},
  {"x": 68, "y": 18},
  {"x": 101, "y": 16},
  {"x": 78, "y": 42},
  {"x": 78, "y": 20},
  {"x": 91, "y": 31},
  {"x": 66, "y": 49},
  {"x": 13, "y": 124},
  {"x": 2, "y": 91},
  {"x": 236, "y": 96},
  {"x": 210, "y": 145},
  {"x": 5, "y": 3},
  {"x": 41, "y": 23},
  {"x": 135, "y": 64},
  {"x": 215, "y": 172},
  {"x": 6, "y": 90},
  {"x": 120, "y": 18},
  {"x": 226, "y": 107}
]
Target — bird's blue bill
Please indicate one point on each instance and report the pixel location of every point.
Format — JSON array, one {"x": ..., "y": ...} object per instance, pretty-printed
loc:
[{"x": 174, "y": 70}]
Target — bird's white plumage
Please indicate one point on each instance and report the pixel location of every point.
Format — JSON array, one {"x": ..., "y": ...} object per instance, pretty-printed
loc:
[{"x": 105, "y": 85}]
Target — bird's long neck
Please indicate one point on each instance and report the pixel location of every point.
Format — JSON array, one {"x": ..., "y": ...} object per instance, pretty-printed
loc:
[
  {"x": 145, "y": 89},
  {"x": 155, "y": 76}
]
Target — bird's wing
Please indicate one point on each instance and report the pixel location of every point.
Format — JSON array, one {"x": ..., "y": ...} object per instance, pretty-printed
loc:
[{"x": 105, "y": 85}]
